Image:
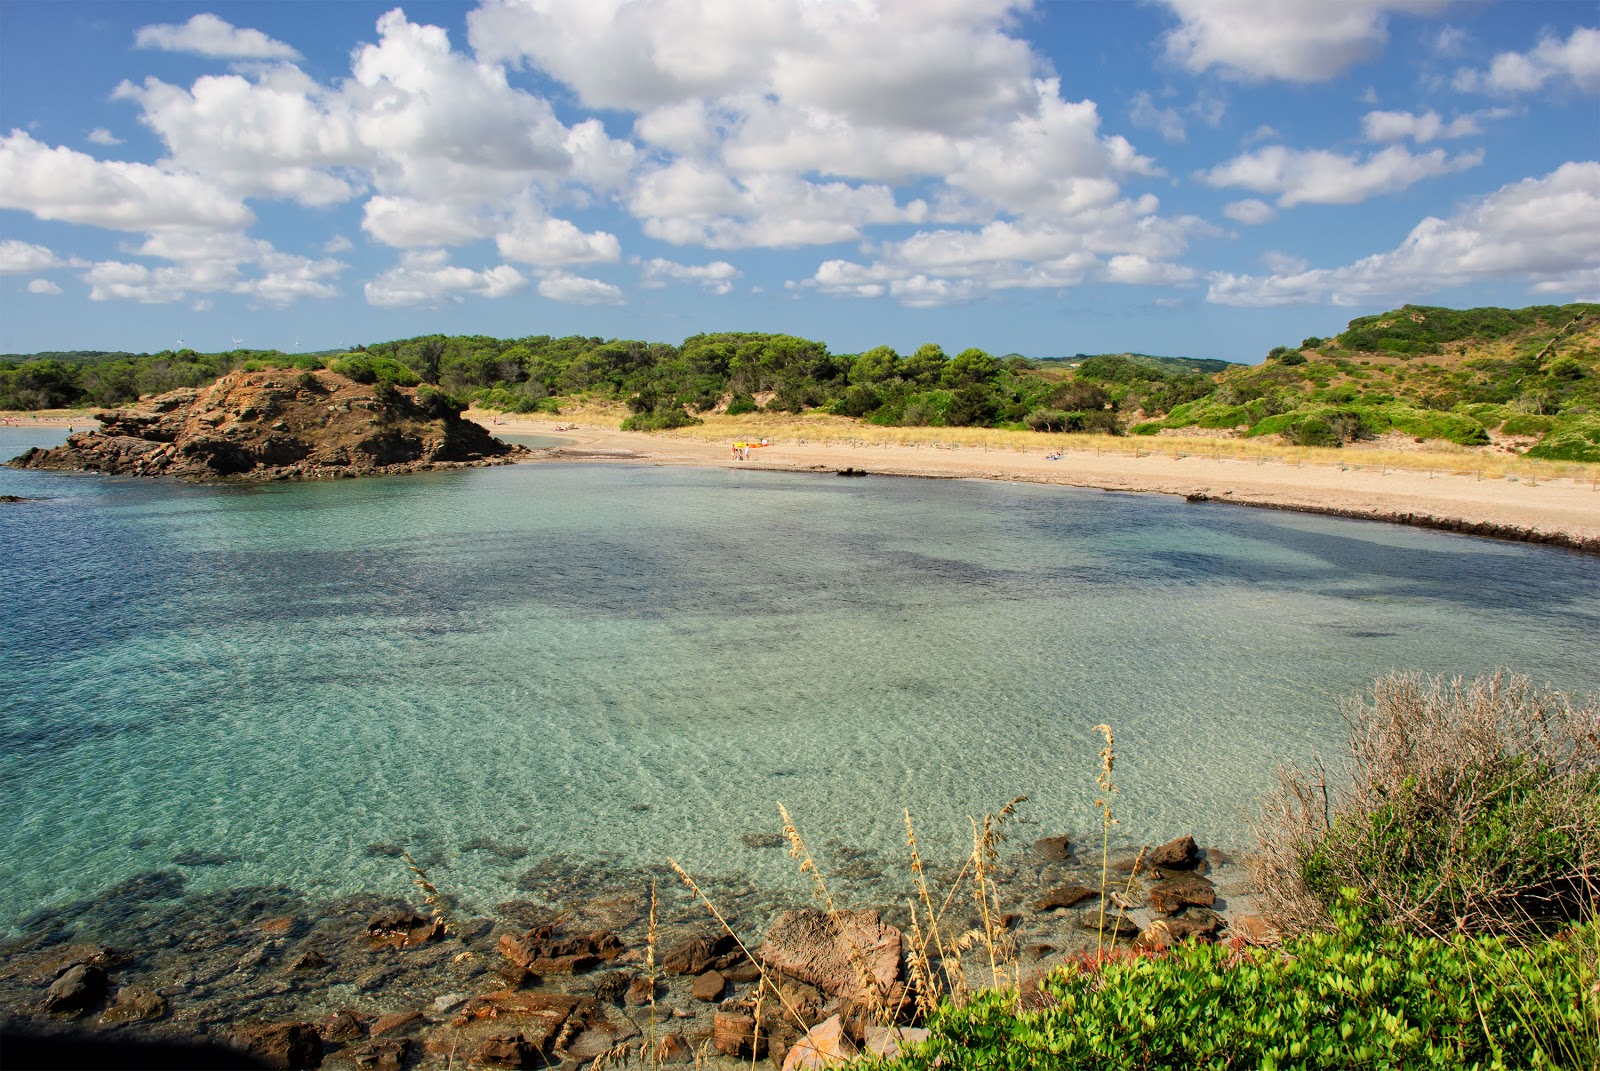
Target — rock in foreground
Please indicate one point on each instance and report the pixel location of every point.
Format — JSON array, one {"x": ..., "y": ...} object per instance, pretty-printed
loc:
[{"x": 279, "y": 425}]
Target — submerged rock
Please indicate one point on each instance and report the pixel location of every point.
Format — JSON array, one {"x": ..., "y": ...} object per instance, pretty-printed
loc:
[
  {"x": 822, "y": 949},
  {"x": 79, "y": 988},
  {"x": 278, "y": 425}
]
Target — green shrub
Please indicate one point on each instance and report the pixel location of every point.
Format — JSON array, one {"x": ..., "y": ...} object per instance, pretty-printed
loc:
[
  {"x": 1470, "y": 807},
  {"x": 660, "y": 420},
  {"x": 741, "y": 403},
  {"x": 1361, "y": 996},
  {"x": 1571, "y": 440},
  {"x": 515, "y": 399},
  {"x": 1148, "y": 427},
  {"x": 1527, "y": 424},
  {"x": 1048, "y": 420},
  {"x": 373, "y": 368}
]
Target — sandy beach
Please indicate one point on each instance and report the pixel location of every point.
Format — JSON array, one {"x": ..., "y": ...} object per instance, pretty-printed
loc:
[{"x": 1561, "y": 511}]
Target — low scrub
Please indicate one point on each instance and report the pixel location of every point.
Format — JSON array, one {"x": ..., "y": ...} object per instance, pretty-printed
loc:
[
  {"x": 1469, "y": 807},
  {"x": 1574, "y": 440}
]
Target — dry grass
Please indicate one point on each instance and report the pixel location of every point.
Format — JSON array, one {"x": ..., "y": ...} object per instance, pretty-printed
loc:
[{"x": 1470, "y": 806}]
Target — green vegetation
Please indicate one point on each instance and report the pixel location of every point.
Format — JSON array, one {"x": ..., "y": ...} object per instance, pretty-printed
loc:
[{"x": 1420, "y": 371}]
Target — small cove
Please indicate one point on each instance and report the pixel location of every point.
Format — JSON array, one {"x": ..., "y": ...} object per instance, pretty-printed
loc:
[{"x": 604, "y": 663}]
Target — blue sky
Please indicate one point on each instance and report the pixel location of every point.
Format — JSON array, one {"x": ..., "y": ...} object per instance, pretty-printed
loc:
[{"x": 1199, "y": 177}]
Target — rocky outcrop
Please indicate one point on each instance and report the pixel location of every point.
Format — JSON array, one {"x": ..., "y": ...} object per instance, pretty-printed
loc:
[{"x": 279, "y": 425}]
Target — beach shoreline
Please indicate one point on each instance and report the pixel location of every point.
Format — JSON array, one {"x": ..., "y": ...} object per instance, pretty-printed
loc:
[{"x": 1562, "y": 511}]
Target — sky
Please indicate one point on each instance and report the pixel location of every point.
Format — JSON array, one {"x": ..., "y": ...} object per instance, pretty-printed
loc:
[{"x": 1206, "y": 178}]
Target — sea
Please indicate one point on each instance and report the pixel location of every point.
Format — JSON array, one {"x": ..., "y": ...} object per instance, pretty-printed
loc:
[{"x": 287, "y": 683}]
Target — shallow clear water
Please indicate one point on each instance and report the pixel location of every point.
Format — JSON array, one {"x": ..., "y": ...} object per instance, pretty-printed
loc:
[{"x": 636, "y": 662}]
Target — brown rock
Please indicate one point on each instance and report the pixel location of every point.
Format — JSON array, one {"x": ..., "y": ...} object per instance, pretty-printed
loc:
[
  {"x": 1064, "y": 896},
  {"x": 732, "y": 1033},
  {"x": 741, "y": 972},
  {"x": 825, "y": 1045},
  {"x": 398, "y": 928},
  {"x": 1162, "y": 934},
  {"x": 507, "y": 1050},
  {"x": 287, "y": 1045},
  {"x": 386, "y": 1054},
  {"x": 1120, "y": 926},
  {"x": 673, "y": 1049},
  {"x": 1053, "y": 849},
  {"x": 709, "y": 986},
  {"x": 342, "y": 1027},
  {"x": 540, "y": 952},
  {"x": 135, "y": 1004},
  {"x": 1173, "y": 895},
  {"x": 1179, "y": 854},
  {"x": 309, "y": 961},
  {"x": 395, "y": 1023},
  {"x": 78, "y": 988},
  {"x": 885, "y": 1041},
  {"x": 276, "y": 927},
  {"x": 834, "y": 952},
  {"x": 601, "y": 1036},
  {"x": 698, "y": 955},
  {"x": 642, "y": 990}
]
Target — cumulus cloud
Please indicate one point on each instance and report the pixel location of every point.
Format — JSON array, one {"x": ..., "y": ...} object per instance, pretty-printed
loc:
[
  {"x": 578, "y": 290},
  {"x": 547, "y": 242},
  {"x": 1142, "y": 112},
  {"x": 1544, "y": 232},
  {"x": 1575, "y": 61},
  {"x": 42, "y": 286},
  {"x": 101, "y": 136},
  {"x": 208, "y": 35},
  {"x": 1398, "y": 126},
  {"x": 1300, "y": 41},
  {"x": 22, "y": 258},
  {"x": 203, "y": 262},
  {"x": 72, "y": 187},
  {"x": 716, "y": 277},
  {"x": 1316, "y": 176},
  {"x": 427, "y": 278},
  {"x": 1250, "y": 212}
]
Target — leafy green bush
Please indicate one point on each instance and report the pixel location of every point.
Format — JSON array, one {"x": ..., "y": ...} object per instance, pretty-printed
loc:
[
  {"x": 1361, "y": 996},
  {"x": 1574, "y": 440},
  {"x": 741, "y": 403},
  {"x": 1148, "y": 427},
  {"x": 1470, "y": 807},
  {"x": 373, "y": 368},
  {"x": 516, "y": 399},
  {"x": 660, "y": 420},
  {"x": 1527, "y": 424}
]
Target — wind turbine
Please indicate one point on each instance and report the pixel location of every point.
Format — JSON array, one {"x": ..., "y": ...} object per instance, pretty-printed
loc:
[{"x": 236, "y": 341}]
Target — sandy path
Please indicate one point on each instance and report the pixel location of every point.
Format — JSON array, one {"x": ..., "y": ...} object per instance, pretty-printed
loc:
[{"x": 1560, "y": 511}]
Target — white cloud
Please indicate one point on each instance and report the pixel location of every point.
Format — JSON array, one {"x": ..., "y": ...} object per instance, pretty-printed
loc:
[
  {"x": 1299, "y": 41},
  {"x": 1142, "y": 112},
  {"x": 42, "y": 286},
  {"x": 408, "y": 223},
  {"x": 578, "y": 290},
  {"x": 205, "y": 262},
  {"x": 208, "y": 35},
  {"x": 1575, "y": 60},
  {"x": 1316, "y": 176},
  {"x": 547, "y": 242},
  {"x": 1250, "y": 212},
  {"x": 101, "y": 136},
  {"x": 716, "y": 277},
  {"x": 25, "y": 258},
  {"x": 1451, "y": 41},
  {"x": 338, "y": 244},
  {"x": 1542, "y": 231},
  {"x": 426, "y": 277},
  {"x": 1398, "y": 126},
  {"x": 72, "y": 187}
]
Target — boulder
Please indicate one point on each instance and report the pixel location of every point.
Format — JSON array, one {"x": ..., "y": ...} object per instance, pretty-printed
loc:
[
  {"x": 733, "y": 1033},
  {"x": 135, "y": 1004},
  {"x": 507, "y": 1050},
  {"x": 78, "y": 988},
  {"x": 642, "y": 990},
  {"x": 1179, "y": 854},
  {"x": 288, "y": 1045},
  {"x": 699, "y": 954},
  {"x": 402, "y": 928},
  {"x": 385, "y": 1054},
  {"x": 825, "y": 1045},
  {"x": 709, "y": 986},
  {"x": 1064, "y": 896},
  {"x": 396, "y": 1023},
  {"x": 342, "y": 1027},
  {"x": 1187, "y": 890},
  {"x": 1116, "y": 924},
  {"x": 540, "y": 951},
  {"x": 836, "y": 953},
  {"x": 673, "y": 1049}
]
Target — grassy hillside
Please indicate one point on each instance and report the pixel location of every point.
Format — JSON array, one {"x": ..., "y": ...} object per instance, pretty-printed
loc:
[{"x": 1515, "y": 377}]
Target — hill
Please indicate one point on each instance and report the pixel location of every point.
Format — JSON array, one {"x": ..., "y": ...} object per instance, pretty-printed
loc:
[{"x": 1144, "y": 360}]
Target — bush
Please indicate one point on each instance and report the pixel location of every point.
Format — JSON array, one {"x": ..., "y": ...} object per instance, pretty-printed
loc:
[
  {"x": 1148, "y": 427},
  {"x": 1292, "y": 358},
  {"x": 1361, "y": 996},
  {"x": 1527, "y": 424},
  {"x": 1575, "y": 440},
  {"x": 660, "y": 420},
  {"x": 741, "y": 403},
  {"x": 1470, "y": 807},
  {"x": 373, "y": 368}
]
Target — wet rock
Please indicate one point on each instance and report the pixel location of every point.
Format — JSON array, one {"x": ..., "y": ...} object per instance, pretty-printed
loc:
[
  {"x": 385, "y": 1054},
  {"x": 153, "y": 885},
  {"x": 374, "y": 977},
  {"x": 1174, "y": 894},
  {"x": 708, "y": 987},
  {"x": 1194, "y": 924},
  {"x": 309, "y": 961},
  {"x": 823, "y": 950},
  {"x": 135, "y": 1004},
  {"x": 599, "y": 1037},
  {"x": 342, "y": 1027},
  {"x": 1053, "y": 849},
  {"x": 194, "y": 858},
  {"x": 641, "y": 990},
  {"x": 384, "y": 851},
  {"x": 762, "y": 840},
  {"x": 698, "y": 955},
  {"x": 79, "y": 988},
  {"x": 825, "y": 1045},
  {"x": 1179, "y": 854},
  {"x": 1115, "y": 925},
  {"x": 733, "y": 1033},
  {"x": 509, "y": 852},
  {"x": 445, "y": 1002},
  {"x": 402, "y": 928},
  {"x": 1064, "y": 896},
  {"x": 741, "y": 972},
  {"x": 541, "y": 952},
  {"x": 612, "y": 986},
  {"x": 288, "y": 1045},
  {"x": 507, "y": 1050},
  {"x": 395, "y": 1023}
]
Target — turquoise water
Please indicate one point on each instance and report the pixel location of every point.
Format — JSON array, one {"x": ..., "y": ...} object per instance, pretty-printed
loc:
[{"x": 630, "y": 663}]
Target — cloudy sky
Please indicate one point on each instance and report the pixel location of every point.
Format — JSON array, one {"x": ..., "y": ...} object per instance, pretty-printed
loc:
[{"x": 1202, "y": 177}]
